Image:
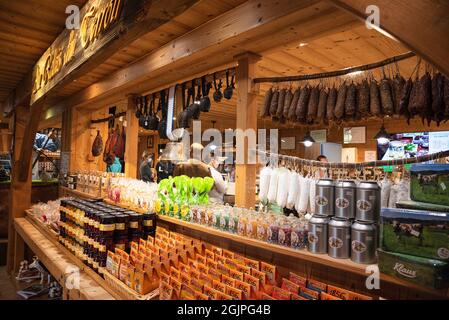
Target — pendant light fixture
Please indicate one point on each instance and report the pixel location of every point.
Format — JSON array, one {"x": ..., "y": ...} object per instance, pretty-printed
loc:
[
  {"x": 382, "y": 136},
  {"x": 308, "y": 140}
]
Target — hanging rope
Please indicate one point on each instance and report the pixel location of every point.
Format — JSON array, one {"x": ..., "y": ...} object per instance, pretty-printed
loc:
[
  {"x": 344, "y": 165},
  {"x": 337, "y": 73}
]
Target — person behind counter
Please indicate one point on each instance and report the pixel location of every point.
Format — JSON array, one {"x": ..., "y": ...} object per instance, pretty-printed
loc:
[
  {"x": 323, "y": 171},
  {"x": 164, "y": 169},
  {"x": 146, "y": 172},
  {"x": 195, "y": 168},
  {"x": 115, "y": 166}
]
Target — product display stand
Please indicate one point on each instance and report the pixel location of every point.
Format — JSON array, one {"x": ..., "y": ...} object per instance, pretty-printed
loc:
[{"x": 352, "y": 274}]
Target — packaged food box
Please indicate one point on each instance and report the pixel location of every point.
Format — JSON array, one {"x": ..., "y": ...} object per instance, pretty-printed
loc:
[
  {"x": 415, "y": 232},
  {"x": 430, "y": 183},
  {"x": 422, "y": 271}
]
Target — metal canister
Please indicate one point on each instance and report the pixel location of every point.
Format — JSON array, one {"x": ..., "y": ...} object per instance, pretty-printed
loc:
[
  {"x": 363, "y": 242},
  {"x": 324, "y": 197},
  {"x": 345, "y": 199},
  {"x": 368, "y": 201},
  {"x": 317, "y": 236},
  {"x": 339, "y": 240}
]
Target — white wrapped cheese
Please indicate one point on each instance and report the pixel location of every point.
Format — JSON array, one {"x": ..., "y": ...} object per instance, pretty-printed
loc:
[
  {"x": 304, "y": 188},
  {"x": 312, "y": 192},
  {"x": 385, "y": 186},
  {"x": 273, "y": 188},
  {"x": 282, "y": 192},
  {"x": 293, "y": 189},
  {"x": 264, "y": 183}
]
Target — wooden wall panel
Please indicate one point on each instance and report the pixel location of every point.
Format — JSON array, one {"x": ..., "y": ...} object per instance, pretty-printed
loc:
[{"x": 335, "y": 134}]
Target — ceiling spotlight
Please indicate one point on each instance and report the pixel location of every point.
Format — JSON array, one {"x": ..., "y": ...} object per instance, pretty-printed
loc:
[{"x": 303, "y": 44}]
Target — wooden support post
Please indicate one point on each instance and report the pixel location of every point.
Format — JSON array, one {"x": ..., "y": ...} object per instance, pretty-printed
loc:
[
  {"x": 132, "y": 136},
  {"x": 245, "y": 186},
  {"x": 20, "y": 195},
  {"x": 26, "y": 149}
]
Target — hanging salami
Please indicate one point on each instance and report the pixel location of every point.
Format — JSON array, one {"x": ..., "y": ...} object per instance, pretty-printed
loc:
[
  {"x": 397, "y": 90},
  {"x": 287, "y": 103},
  {"x": 313, "y": 104},
  {"x": 374, "y": 106},
  {"x": 386, "y": 97},
  {"x": 446, "y": 97},
  {"x": 303, "y": 101},
  {"x": 438, "y": 97},
  {"x": 339, "y": 110},
  {"x": 281, "y": 100},
  {"x": 363, "y": 92},
  {"x": 292, "y": 110},
  {"x": 424, "y": 95},
  {"x": 321, "y": 112},
  {"x": 265, "y": 111},
  {"x": 330, "y": 104},
  {"x": 274, "y": 103},
  {"x": 350, "y": 102},
  {"x": 405, "y": 100}
]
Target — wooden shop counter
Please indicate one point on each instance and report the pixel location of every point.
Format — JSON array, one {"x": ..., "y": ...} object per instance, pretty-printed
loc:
[{"x": 60, "y": 263}]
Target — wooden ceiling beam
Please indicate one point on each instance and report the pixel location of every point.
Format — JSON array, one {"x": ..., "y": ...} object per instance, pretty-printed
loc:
[
  {"x": 420, "y": 25},
  {"x": 213, "y": 37}
]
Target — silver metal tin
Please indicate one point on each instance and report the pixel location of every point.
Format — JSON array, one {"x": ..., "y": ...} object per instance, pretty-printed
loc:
[
  {"x": 345, "y": 193},
  {"x": 339, "y": 240},
  {"x": 368, "y": 201},
  {"x": 363, "y": 242},
  {"x": 324, "y": 197},
  {"x": 317, "y": 236}
]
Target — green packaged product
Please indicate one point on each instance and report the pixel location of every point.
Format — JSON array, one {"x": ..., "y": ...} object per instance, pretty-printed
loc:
[
  {"x": 415, "y": 232},
  {"x": 430, "y": 183},
  {"x": 416, "y": 205},
  {"x": 422, "y": 271}
]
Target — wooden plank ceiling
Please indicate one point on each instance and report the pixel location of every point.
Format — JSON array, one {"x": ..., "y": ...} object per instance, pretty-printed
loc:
[
  {"x": 27, "y": 29},
  {"x": 320, "y": 38}
]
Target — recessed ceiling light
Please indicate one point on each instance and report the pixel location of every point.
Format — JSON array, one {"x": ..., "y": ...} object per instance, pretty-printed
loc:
[{"x": 303, "y": 44}]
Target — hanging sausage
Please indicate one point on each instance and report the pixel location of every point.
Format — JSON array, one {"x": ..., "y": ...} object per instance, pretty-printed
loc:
[
  {"x": 350, "y": 102},
  {"x": 374, "y": 106},
  {"x": 330, "y": 105},
  {"x": 312, "y": 107},
  {"x": 292, "y": 109},
  {"x": 339, "y": 110},
  {"x": 301, "y": 108},
  {"x": 287, "y": 103},
  {"x": 397, "y": 89},
  {"x": 438, "y": 97},
  {"x": 386, "y": 97},
  {"x": 363, "y": 93},
  {"x": 425, "y": 98},
  {"x": 405, "y": 100},
  {"x": 280, "y": 106},
  {"x": 274, "y": 103},
  {"x": 321, "y": 112},
  {"x": 265, "y": 111}
]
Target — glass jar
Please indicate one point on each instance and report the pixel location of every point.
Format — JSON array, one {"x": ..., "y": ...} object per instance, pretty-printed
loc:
[
  {"x": 149, "y": 222},
  {"x": 107, "y": 226},
  {"x": 285, "y": 234},
  {"x": 216, "y": 219},
  {"x": 121, "y": 243},
  {"x": 273, "y": 231},
  {"x": 135, "y": 222},
  {"x": 121, "y": 225}
]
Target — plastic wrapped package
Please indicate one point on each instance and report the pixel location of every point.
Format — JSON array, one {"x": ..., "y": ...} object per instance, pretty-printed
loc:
[
  {"x": 273, "y": 188},
  {"x": 293, "y": 190},
  {"x": 282, "y": 189},
  {"x": 312, "y": 193},
  {"x": 385, "y": 186},
  {"x": 304, "y": 186},
  {"x": 264, "y": 183}
]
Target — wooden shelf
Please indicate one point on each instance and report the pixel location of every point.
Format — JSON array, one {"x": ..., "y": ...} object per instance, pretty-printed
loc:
[
  {"x": 322, "y": 259},
  {"x": 78, "y": 193},
  {"x": 58, "y": 261}
]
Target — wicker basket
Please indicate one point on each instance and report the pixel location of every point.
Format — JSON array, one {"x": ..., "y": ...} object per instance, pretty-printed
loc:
[{"x": 125, "y": 292}]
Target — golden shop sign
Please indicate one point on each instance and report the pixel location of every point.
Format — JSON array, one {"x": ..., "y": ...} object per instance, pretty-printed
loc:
[{"x": 98, "y": 26}]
